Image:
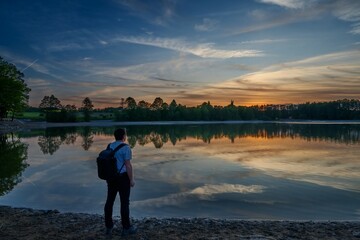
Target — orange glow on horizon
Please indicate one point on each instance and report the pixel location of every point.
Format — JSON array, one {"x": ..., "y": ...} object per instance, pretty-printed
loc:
[{"x": 194, "y": 103}]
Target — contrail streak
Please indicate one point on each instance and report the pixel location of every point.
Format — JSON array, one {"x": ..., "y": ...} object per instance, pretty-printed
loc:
[{"x": 30, "y": 65}]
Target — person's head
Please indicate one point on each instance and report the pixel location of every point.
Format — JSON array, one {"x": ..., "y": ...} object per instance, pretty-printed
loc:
[{"x": 120, "y": 134}]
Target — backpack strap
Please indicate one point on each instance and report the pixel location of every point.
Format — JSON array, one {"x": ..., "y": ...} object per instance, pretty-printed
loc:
[
  {"x": 118, "y": 147},
  {"x": 115, "y": 150}
]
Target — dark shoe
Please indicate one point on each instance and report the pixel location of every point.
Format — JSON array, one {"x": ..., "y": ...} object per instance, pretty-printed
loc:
[
  {"x": 129, "y": 231},
  {"x": 108, "y": 231}
]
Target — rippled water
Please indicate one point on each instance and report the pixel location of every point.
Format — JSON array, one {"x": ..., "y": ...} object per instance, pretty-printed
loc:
[{"x": 244, "y": 171}]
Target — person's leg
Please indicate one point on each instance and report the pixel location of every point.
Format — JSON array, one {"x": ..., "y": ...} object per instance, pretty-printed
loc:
[
  {"x": 108, "y": 208},
  {"x": 124, "y": 191}
]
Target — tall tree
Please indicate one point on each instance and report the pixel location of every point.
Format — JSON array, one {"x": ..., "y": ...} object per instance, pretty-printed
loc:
[
  {"x": 130, "y": 103},
  {"x": 173, "y": 104},
  {"x": 87, "y": 104},
  {"x": 143, "y": 104},
  {"x": 87, "y": 107},
  {"x": 14, "y": 93},
  {"x": 157, "y": 104},
  {"x": 122, "y": 103},
  {"x": 50, "y": 103},
  {"x": 70, "y": 108}
]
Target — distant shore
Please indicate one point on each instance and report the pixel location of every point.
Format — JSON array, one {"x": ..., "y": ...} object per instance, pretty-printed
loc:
[
  {"x": 19, "y": 125},
  {"x": 24, "y": 223}
]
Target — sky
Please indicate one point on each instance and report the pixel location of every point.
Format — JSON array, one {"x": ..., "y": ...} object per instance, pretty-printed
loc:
[{"x": 194, "y": 51}]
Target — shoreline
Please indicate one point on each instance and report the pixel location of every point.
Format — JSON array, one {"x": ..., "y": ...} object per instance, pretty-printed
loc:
[
  {"x": 25, "y": 223},
  {"x": 21, "y": 125}
]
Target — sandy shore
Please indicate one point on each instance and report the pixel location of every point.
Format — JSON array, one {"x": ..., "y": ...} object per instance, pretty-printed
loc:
[{"x": 20, "y": 223}]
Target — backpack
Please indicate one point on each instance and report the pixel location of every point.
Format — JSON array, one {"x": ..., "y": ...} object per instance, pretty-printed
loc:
[{"x": 106, "y": 163}]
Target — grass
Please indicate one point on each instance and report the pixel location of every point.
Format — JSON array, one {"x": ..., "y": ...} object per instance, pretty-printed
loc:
[
  {"x": 32, "y": 116},
  {"x": 102, "y": 116},
  {"x": 40, "y": 116}
]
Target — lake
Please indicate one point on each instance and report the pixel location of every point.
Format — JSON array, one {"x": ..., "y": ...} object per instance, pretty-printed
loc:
[{"x": 287, "y": 171}]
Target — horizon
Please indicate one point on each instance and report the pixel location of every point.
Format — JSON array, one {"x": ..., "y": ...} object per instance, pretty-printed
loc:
[
  {"x": 253, "y": 52},
  {"x": 214, "y": 105}
]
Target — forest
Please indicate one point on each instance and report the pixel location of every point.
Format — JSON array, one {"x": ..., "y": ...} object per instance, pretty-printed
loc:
[
  {"x": 333, "y": 110},
  {"x": 130, "y": 110}
]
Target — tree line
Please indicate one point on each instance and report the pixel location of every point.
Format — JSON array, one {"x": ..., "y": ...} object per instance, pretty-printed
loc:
[
  {"x": 56, "y": 112},
  {"x": 159, "y": 110}
]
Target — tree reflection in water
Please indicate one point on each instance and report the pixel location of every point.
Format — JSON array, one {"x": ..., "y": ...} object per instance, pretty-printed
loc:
[
  {"x": 87, "y": 138},
  {"x": 53, "y": 138},
  {"x": 12, "y": 161},
  {"x": 159, "y": 135},
  {"x": 49, "y": 144}
]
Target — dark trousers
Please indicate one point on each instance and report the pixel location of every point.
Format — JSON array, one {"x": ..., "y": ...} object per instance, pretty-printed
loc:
[{"x": 120, "y": 185}]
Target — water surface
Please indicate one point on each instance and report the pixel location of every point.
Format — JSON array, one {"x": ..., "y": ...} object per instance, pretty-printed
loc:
[{"x": 242, "y": 171}]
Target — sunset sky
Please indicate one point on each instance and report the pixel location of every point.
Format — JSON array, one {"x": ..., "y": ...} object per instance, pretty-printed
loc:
[{"x": 249, "y": 51}]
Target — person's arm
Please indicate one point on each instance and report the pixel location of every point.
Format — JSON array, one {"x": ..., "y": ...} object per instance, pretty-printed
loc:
[{"x": 130, "y": 172}]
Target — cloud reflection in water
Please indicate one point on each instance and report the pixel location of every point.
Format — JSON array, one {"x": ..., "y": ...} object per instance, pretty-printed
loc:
[{"x": 205, "y": 192}]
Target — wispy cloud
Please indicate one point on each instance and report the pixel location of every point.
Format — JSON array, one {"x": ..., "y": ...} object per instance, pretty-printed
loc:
[
  {"x": 71, "y": 40},
  {"x": 207, "y": 25},
  {"x": 355, "y": 28},
  {"x": 243, "y": 67},
  {"x": 266, "y": 19},
  {"x": 105, "y": 91},
  {"x": 345, "y": 57},
  {"x": 294, "y": 4},
  {"x": 26, "y": 64},
  {"x": 29, "y": 65},
  {"x": 166, "y": 80},
  {"x": 204, "y": 50},
  {"x": 103, "y": 42},
  {"x": 69, "y": 46},
  {"x": 157, "y": 13},
  {"x": 264, "y": 41},
  {"x": 37, "y": 83},
  {"x": 346, "y": 10},
  {"x": 142, "y": 81}
]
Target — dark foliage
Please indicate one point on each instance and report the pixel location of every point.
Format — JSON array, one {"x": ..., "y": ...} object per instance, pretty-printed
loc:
[
  {"x": 335, "y": 110},
  {"x": 12, "y": 161},
  {"x": 61, "y": 116}
]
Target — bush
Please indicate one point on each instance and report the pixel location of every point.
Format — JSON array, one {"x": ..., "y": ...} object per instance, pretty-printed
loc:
[
  {"x": 87, "y": 116},
  {"x": 63, "y": 116}
]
